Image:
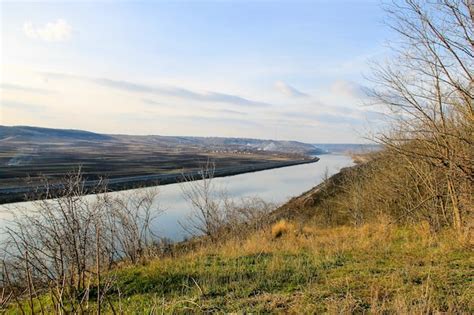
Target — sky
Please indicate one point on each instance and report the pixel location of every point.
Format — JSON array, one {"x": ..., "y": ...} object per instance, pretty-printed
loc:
[{"x": 289, "y": 70}]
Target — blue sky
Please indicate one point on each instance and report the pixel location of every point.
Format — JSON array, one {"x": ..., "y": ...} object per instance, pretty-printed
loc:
[{"x": 262, "y": 69}]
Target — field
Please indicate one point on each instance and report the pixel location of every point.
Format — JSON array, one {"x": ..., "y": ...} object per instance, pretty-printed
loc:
[
  {"x": 29, "y": 156},
  {"x": 118, "y": 161}
]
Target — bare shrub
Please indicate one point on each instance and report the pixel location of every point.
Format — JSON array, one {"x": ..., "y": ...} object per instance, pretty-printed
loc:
[
  {"x": 62, "y": 245},
  {"x": 247, "y": 214},
  {"x": 389, "y": 185},
  {"x": 325, "y": 207},
  {"x": 129, "y": 217},
  {"x": 215, "y": 214},
  {"x": 207, "y": 215}
]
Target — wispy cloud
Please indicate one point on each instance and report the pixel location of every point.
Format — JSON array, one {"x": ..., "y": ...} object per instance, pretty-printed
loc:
[
  {"x": 288, "y": 90},
  {"x": 348, "y": 89},
  {"x": 220, "y": 121},
  {"x": 231, "y": 112},
  {"x": 180, "y": 92},
  {"x": 188, "y": 120},
  {"x": 186, "y": 94},
  {"x": 56, "y": 31},
  {"x": 375, "y": 115},
  {"x": 20, "y": 105},
  {"x": 336, "y": 115},
  {"x": 220, "y": 112},
  {"x": 156, "y": 104},
  {"x": 16, "y": 87},
  {"x": 325, "y": 118}
]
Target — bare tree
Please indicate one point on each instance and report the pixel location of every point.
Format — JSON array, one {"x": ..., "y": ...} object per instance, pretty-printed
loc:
[
  {"x": 129, "y": 218},
  {"x": 206, "y": 217},
  {"x": 326, "y": 210},
  {"x": 428, "y": 86}
]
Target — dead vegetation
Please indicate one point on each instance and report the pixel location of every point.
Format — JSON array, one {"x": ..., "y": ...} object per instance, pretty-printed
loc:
[
  {"x": 217, "y": 216},
  {"x": 428, "y": 88},
  {"x": 425, "y": 171},
  {"x": 281, "y": 228}
]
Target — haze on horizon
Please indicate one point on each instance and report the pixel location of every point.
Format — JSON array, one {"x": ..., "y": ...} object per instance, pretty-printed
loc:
[{"x": 280, "y": 70}]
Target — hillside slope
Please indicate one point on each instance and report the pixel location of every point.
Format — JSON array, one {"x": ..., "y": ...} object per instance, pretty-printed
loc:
[
  {"x": 47, "y": 136},
  {"x": 373, "y": 268}
]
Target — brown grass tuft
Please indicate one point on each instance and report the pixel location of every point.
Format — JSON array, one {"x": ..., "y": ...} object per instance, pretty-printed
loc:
[{"x": 281, "y": 228}]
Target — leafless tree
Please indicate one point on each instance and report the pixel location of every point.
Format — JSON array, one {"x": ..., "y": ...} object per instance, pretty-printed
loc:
[
  {"x": 129, "y": 218},
  {"x": 206, "y": 217},
  {"x": 428, "y": 87}
]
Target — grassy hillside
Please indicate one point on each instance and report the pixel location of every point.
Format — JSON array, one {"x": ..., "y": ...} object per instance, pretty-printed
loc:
[
  {"x": 374, "y": 268},
  {"x": 302, "y": 260},
  {"x": 359, "y": 242}
]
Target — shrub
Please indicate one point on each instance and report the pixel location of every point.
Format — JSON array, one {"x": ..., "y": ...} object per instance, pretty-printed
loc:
[{"x": 64, "y": 244}]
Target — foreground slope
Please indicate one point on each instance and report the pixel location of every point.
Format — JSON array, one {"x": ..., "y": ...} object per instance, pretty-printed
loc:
[{"x": 375, "y": 267}]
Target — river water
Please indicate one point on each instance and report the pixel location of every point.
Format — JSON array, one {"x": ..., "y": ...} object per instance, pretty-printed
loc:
[{"x": 275, "y": 185}]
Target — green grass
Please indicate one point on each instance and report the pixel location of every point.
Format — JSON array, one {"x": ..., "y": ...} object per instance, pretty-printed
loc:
[
  {"x": 362, "y": 273},
  {"x": 374, "y": 268}
]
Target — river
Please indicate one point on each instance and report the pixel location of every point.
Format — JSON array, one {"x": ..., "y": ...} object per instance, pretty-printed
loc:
[{"x": 275, "y": 185}]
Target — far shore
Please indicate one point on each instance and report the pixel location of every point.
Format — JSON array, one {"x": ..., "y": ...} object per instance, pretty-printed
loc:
[{"x": 30, "y": 193}]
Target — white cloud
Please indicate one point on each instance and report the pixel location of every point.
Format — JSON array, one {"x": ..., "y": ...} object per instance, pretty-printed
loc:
[
  {"x": 347, "y": 89},
  {"x": 178, "y": 92},
  {"x": 56, "y": 31},
  {"x": 288, "y": 90}
]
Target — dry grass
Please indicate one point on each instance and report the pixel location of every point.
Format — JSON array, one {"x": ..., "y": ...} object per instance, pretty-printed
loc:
[
  {"x": 374, "y": 268},
  {"x": 281, "y": 228}
]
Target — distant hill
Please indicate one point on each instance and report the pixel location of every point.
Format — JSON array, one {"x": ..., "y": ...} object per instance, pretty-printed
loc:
[
  {"x": 327, "y": 148},
  {"x": 28, "y": 155},
  {"x": 32, "y": 136},
  {"x": 255, "y": 145},
  {"x": 26, "y": 133}
]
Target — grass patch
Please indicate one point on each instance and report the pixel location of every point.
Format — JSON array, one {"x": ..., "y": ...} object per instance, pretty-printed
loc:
[{"x": 371, "y": 268}]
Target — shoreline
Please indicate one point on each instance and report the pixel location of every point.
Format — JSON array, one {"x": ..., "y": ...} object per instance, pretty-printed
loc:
[{"x": 29, "y": 193}]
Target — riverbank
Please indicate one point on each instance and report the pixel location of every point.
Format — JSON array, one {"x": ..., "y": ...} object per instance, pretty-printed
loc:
[{"x": 29, "y": 193}]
